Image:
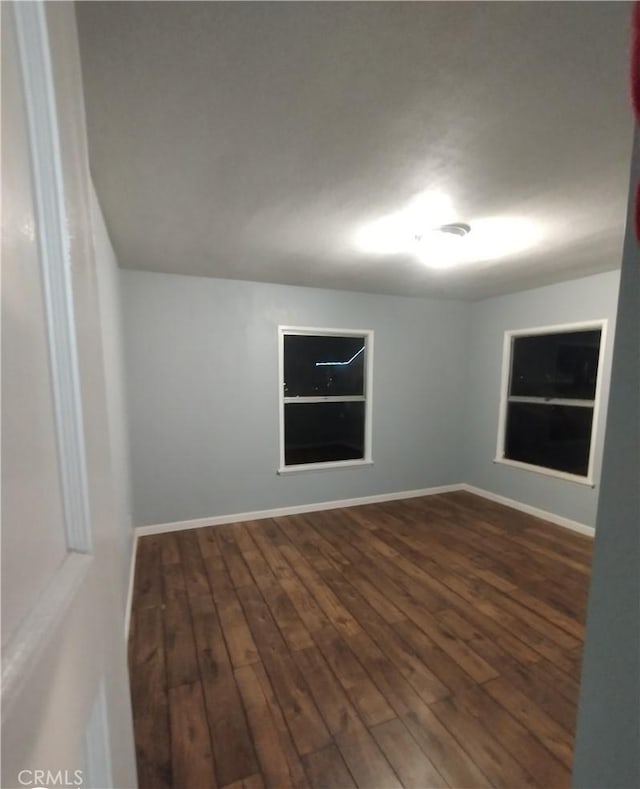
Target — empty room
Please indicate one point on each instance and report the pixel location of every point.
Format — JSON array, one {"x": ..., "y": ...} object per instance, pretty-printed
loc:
[{"x": 320, "y": 383}]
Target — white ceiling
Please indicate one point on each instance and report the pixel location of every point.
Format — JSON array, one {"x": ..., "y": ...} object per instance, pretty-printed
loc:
[{"x": 252, "y": 140}]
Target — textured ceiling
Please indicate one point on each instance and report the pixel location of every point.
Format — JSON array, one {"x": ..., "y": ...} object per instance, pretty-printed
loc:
[{"x": 252, "y": 140}]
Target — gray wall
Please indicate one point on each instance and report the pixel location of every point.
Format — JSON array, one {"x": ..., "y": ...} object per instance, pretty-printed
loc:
[
  {"x": 578, "y": 300},
  {"x": 201, "y": 359},
  {"x": 607, "y": 752}
]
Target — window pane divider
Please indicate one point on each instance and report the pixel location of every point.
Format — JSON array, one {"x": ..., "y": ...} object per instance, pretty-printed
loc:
[
  {"x": 322, "y": 399},
  {"x": 552, "y": 401}
]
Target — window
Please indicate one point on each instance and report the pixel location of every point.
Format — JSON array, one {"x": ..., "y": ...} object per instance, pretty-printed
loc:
[
  {"x": 550, "y": 394},
  {"x": 325, "y": 402}
]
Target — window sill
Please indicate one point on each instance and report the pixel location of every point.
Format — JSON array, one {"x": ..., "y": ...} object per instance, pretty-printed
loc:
[
  {"x": 299, "y": 469},
  {"x": 547, "y": 472}
]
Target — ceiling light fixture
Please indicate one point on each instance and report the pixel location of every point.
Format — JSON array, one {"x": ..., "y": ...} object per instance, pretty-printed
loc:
[
  {"x": 460, "y": 229},
  {"x": 426, "y": 228},
  {"x": 456, "y": 229}
]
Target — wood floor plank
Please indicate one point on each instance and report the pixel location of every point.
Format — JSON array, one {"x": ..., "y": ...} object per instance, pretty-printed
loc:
[
  {"x": 447, "y": 671},
  {"x": 488, "y": 649},
  {"x": 472, "y": 531},
  {"x": 279, "y": 761},
  {"x": 252, "y": 782},
  {"x": 219, "y": 580},
  {"x": 324, "y": 597},
  {"x": 466, "y": 564},
  {"x": 147, "y": 583},
  {"x": 207, "y": 542},
  {"x": 169, "y": 549},
  {"x": 293, "y": 528},
  {"x": 343, "y": 564},
  {"x": 407, "y": 575},
  {"x": 371, "y": 705},
  {"x": 409, "y": 762},
  {"x": 538, "y": 762},
  {"x": 153, "y": 748},
  {"x": 174, "y": 584},
  {"x": 255, "y": 561},
  {"x": 485, "y": 749},
  {"x": 336, "y": 557},
  {"x": 285, "y": 615},
  {"x": 433, "y": 641},
  {"x": 238, "y": 571},
  {"x": 326, "y": 769},
  {"x": 195, "y": 575},
  {"x": 268, "y": 542},
  {"x": 240, "y": 641},
  {"x": 337, "y": 711},
  {"x": 548, "y": 731},
  {"x": 268, "y": 638},
  {"x": 551, "y": 623},
  {"x": 366, "y": 762},
  {"x": 147, "y": 663},
  {"x": 298, "y": 707},
  {"x": 181, "y": 656},
  {"x": 468, "y": 598},
  {"x": 232, "y": 744},
  {"x": 513, "y": 545},
  {"x": 466, "y": 658},
  {"x": 149, "y": 700},
  {"x": 301, "y": 598},
  {"x": 302, "y": 716},
  {"x": 438, "y": 744},
  {"x": 191, "y": 754},
  {"x": 426, "y": 684},
  {"x": 553, "y": 691},
  {"x": 364, "y": 574},
  {"x": 307, "y": 608}
]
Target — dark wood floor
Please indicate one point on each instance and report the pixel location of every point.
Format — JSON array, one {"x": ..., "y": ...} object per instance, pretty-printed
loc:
[{"x": 427, "y": 642}]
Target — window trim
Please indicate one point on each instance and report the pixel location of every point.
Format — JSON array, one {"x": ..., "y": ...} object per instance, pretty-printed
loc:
[
  {"x": 315, "y": 331},
  {"x": 563, "y": 328}
]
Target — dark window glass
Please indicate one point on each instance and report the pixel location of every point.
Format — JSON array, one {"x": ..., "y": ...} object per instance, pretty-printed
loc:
[
  {"x": 317, "y": 366},
  {"x": 323, "y": 432},
  {"x": 555, "y": 365},
  {"x": 552, "y": 436}
]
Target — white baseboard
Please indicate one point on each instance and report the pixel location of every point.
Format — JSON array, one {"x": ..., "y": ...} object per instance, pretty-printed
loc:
[
  {"x": 132, "y": 575},
  {"x": 239, "y": 517},
  {"x": 559, "y": 520}
]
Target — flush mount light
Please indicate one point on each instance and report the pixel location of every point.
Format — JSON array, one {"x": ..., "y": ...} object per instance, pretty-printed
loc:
[
  {"x": 397, "y": 233},
  {"x": 460, "y": 229},
  {"x": 427, "y": 229},
  {"x": 443, "y": 246},
  {"x": 456, "y": 229}
]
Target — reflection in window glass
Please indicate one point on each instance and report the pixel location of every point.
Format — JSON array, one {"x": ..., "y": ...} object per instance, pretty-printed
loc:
[
  {"x": 317, "y": 366},
  {"x": 556, "y": 365}
]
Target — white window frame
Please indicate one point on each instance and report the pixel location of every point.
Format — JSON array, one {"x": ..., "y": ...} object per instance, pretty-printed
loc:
[
  {"x": 564, "y": 328},
  {"x": 367, "y": 397}
]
